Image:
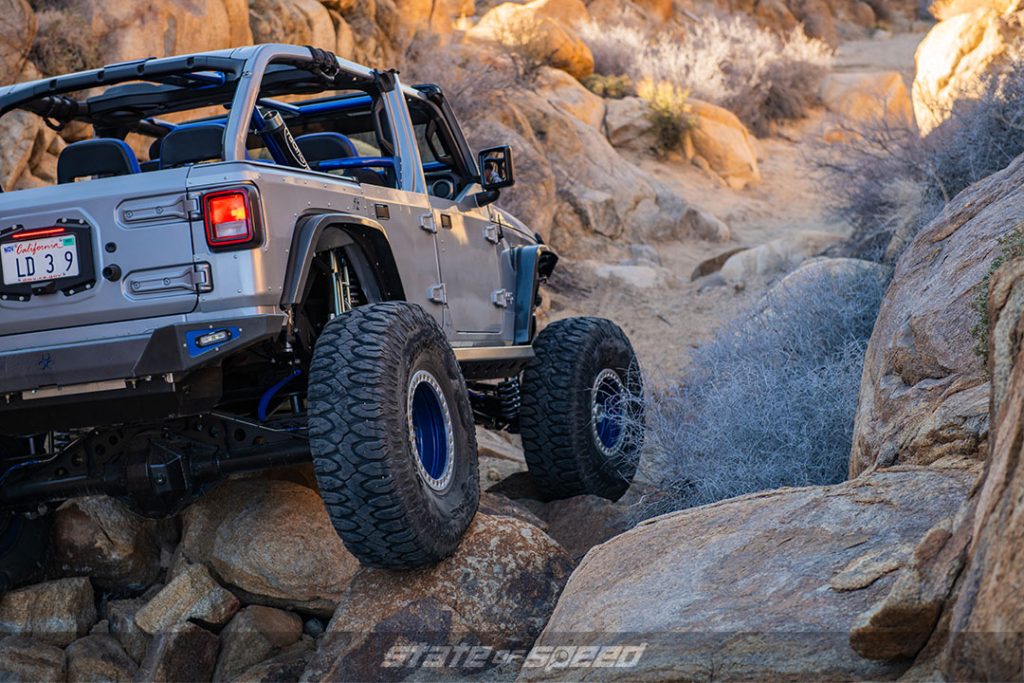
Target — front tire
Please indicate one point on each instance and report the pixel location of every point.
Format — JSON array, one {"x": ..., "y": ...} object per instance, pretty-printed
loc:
[
  {"x": 392, "y": 437},
  {"x": 582, "y": 414}
]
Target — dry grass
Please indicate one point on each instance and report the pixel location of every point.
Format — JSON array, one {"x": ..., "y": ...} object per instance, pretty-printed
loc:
[
  {"x": 758, "y": 75},
  {"x": 770, "y": 400}
]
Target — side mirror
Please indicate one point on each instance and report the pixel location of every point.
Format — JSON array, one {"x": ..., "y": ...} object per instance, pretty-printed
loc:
[{"x": 496, "y": 168}]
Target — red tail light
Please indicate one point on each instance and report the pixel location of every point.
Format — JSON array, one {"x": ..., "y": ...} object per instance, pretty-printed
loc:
[
  {"x": 33, "y": 234},
  {"x": 229, "y": 219}
]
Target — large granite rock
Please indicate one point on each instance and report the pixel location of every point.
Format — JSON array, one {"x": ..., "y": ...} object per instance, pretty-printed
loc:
[
  {"x": 192, "y": 595},
  {"x": 498, "y": 589},
  {"x": 100, "y": 538},
  {"x": 55, "y": 612},
  {"x": 957, "y": 54},
  {"x": 273, "y": 541},
  {"x": 925, "y": 393},
  {"x": 98, "y": 659},
  {"x": 17, "y": 29},
  {"x": 25, "y": 660},
  {"x": 763, "y": 587}
]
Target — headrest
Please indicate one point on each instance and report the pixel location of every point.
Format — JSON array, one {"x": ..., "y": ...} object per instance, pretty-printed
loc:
[
  {"x": 322, "y": 146},
  {"x": 102, "y": 157},
  {"x": 192, "y": 144}
]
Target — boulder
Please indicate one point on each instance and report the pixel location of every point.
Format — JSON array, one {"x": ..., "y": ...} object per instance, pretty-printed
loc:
[
  {"x": 123, "y": 30},
  {"x": 17, "y": 30},
  {"x": 498, "y": 588},
  {"x": 120, "y": 617},
  {"x": 582, "y": 522},
  {"x": 499, "y": 456},
  {"x": 192, "y": 595},
  {"x": 543, "y": 28},
  {"x": 568, "y": 95},
  {"x": 956, "y": 56},
  {"x": 182, "y": 653},
  {"x": 271, "y": 540},
  {"x": 777, "y": 257},
  {"x": 55, "y": 612},
  {"x": 865, "y": 100},
  {"x": 947, "y": 9},
  {"x": 925, "y": 393},
  {"x": 597, "y": 193},
  {"x": 497, "y": 505},
  {"x": 100, "y": 538},
  {"x": 24, "y": 660},
  {"x": 627, "y": 124},
  {"x": 300, "y": 22},
  {"x": 720, "y": 138},
  {"x": 286, "y": 666},
  {"x": 255, "y": 634},
  {"x": 762, "y": 587},
  {"x": 99, "y": 659},
  {"x": 971, "y": 580}
]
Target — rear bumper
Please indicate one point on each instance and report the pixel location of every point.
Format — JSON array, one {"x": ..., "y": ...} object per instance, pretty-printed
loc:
[{"x": 167, "y": 350}]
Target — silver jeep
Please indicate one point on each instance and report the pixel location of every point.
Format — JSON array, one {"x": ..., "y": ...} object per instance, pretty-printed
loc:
[{"x": 270, "y": 255}]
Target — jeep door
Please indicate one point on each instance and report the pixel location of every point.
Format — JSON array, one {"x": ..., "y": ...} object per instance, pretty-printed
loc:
[{"x": 468, "y": 243}]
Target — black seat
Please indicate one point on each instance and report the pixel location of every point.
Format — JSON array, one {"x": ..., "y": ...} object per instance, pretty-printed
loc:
[
  {"x": 100, "y": 158},
  {"x": 191, "y": 145},
  {"x": 317, "y": 147},
  {"x": 322, "y": 146}
]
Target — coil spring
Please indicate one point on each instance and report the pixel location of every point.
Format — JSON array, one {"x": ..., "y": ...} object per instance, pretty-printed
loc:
[{"x": 509, "y": 397}]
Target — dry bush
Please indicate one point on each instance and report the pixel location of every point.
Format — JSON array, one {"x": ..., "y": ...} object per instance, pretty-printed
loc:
[
  {"x": 669, "y": 113},
  {"x": 888, "y": 181},
  {"x": 525, "y": 43},
  {"x": 769, "y": 401},
  {"x": 612, "y": 87},
  {"x": 756, "y": 74}
]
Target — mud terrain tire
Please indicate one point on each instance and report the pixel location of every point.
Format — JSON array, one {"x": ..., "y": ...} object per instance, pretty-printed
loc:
[
  {"x": 582, "y": 410},
  {"x": 392, "y": 437}
]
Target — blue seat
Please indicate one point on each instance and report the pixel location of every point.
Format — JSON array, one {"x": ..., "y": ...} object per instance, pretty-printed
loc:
[
  {"x": 99, "y": 158},
  {"x": 318, "y": 147}
]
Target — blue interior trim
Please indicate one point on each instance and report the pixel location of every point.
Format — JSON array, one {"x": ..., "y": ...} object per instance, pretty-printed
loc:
[{"x": 356, "y": 162}]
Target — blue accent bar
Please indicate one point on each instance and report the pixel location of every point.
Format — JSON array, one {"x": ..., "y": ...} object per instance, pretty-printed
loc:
[
  {"x": 269, "y": 394},
  {"x": 356, "y": 162}
]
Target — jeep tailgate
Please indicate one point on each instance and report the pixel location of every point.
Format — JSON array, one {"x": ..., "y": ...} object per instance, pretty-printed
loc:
[{"x": 119, "y": 249}]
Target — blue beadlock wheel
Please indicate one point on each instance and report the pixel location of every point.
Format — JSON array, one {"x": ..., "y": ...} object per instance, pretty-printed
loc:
[
  {"x": 582, "y": 411},
  {"x": 608, "y": 412},
  {"x": 392, "y": 437},
  {"x": 430, "y": 430}
]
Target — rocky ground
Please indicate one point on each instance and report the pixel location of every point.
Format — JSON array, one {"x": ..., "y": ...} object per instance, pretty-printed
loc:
[{"x": 908, "y": 569}]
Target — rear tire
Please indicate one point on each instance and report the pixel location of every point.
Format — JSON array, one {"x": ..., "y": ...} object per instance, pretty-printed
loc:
[
  {"x": 392, "y": 437},
  {"x": 582, "y": 411}
]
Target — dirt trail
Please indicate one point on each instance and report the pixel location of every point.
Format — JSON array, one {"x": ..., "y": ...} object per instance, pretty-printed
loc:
[{"x": 671, "y": 315}]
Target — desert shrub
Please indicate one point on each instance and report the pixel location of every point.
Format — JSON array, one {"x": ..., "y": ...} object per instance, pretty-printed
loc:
[
  {"x": 524, "y": 42},
  {"x": 770, "y": 400},
  {"x": 62, "y": 45},
  {"x": 760, "y": 76},
  {"x": 669, "y": 113},
  {"x": 888, "y": 181},
  {"x": 612, "y": 87}
]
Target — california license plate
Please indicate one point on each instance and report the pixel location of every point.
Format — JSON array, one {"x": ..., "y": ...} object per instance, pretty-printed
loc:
[{"x": 41, "y": 260}]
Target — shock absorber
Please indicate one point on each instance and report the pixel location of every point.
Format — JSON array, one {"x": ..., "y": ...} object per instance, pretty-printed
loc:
[{"x": 509, "y": 399}]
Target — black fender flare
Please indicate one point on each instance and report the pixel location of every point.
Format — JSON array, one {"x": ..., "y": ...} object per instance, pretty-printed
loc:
[
  {"x": 317, "y": 232},
  {"x": 532, "y": 264}
]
